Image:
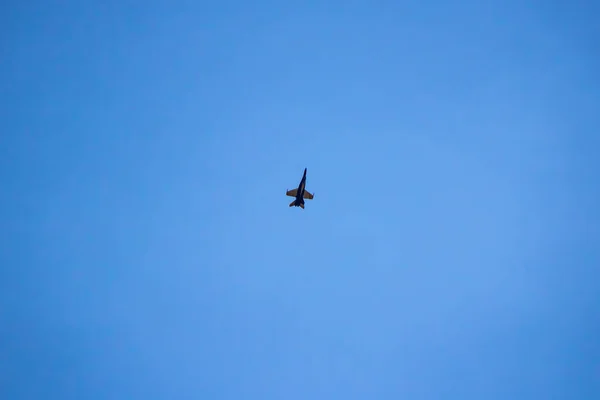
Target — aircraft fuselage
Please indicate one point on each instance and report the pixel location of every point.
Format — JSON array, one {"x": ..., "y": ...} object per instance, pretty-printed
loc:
[{"x": 300, "y": 192}]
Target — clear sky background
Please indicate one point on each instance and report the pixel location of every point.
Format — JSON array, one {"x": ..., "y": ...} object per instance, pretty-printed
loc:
[{"x": 452, "y": 249}]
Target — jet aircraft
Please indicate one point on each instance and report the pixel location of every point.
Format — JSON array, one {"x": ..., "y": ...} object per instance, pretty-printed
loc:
[{"x": 300, "y": 193}]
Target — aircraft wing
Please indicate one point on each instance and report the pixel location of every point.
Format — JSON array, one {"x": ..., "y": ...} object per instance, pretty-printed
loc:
[
  {"x": 308, "y": 195},
  {"x": 291, "y": 192}
]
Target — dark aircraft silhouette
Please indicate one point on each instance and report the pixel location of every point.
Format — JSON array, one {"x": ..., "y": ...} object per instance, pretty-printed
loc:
[{"x": 300, "y": 193}]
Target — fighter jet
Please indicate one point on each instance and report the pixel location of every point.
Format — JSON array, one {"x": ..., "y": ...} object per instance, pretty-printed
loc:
[{"x": 300, "y": 193}]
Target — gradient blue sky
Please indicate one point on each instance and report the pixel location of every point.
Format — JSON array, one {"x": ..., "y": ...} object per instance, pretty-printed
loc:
[{"x": 148, "y": 250}]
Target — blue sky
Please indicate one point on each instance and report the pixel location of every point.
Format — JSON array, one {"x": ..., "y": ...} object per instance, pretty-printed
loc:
[{"x": 450, "y": 252}]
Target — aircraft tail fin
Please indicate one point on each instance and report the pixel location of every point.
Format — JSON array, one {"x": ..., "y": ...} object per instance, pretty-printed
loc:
[{"x": 292, "y": 203}]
